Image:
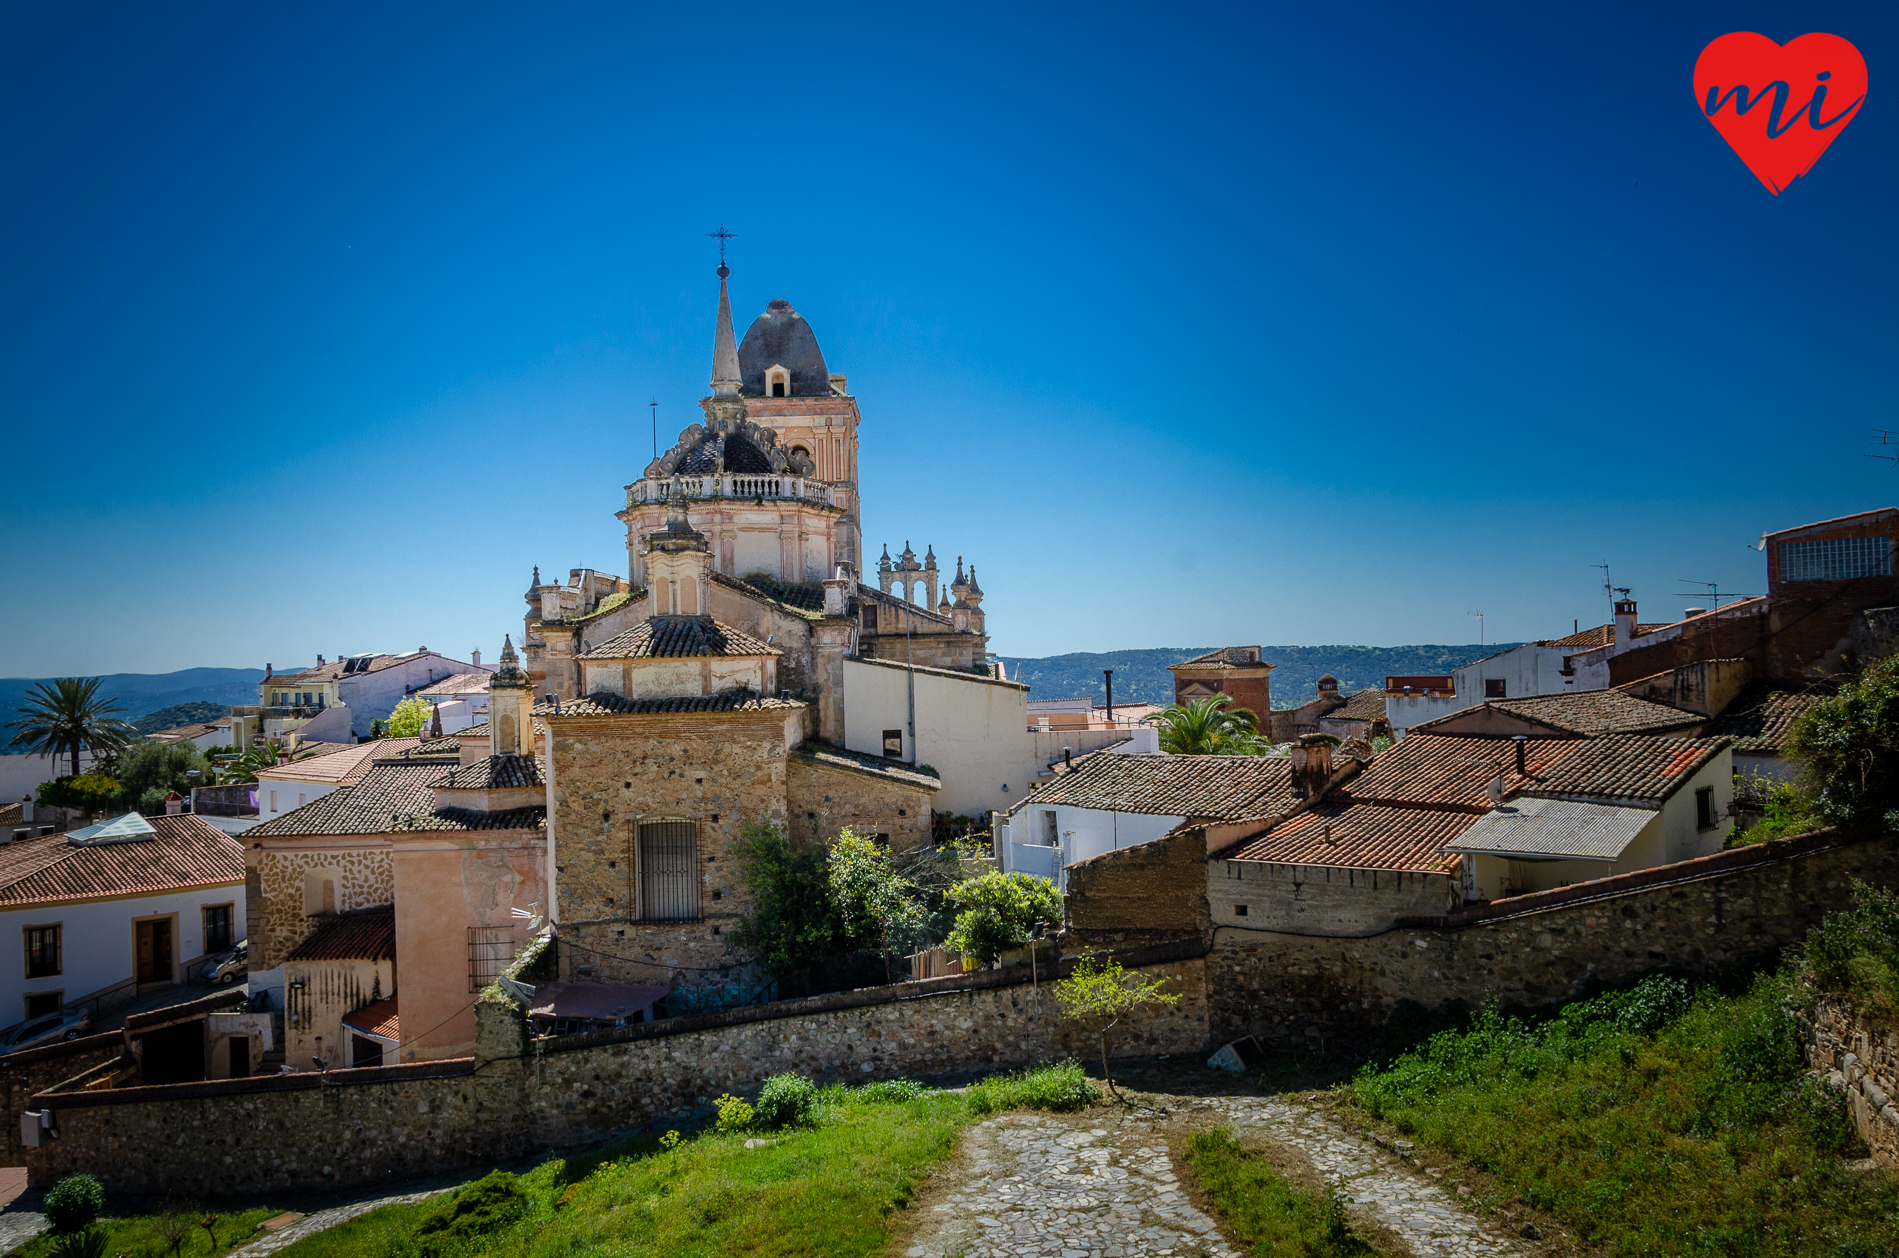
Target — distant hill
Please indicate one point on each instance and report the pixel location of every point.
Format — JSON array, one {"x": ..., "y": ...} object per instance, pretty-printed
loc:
[
  {"x": 1142, "y": 676},
  {"x": 181, "y": 714},
  {"x": 144, "y": 694}
]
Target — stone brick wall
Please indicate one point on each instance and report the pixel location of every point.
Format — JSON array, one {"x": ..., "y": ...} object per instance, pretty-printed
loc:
[
  {"x": 33, "y": 1070},
  {"x": 1319, "y": 900},
  {"x": 1860, "y": 1055},
  {"x": 822, "y": 799},
  {"x": 357, "y": 1127},
  {"x": 364, "y": 876},
  {"x": 1140, "y": 895},
  {"x": 1719, "y": 913}
]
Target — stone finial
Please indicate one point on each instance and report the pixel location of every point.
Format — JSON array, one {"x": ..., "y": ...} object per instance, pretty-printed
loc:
[
  {"x": 974, "y": 592},
  {"x": 507, "y": 650},
  {"x": 929, "y": 558},
  {"x": 883, "y": 565},
  {"x": 725, "y": 365},
  {"x": 435, "y": 723}
]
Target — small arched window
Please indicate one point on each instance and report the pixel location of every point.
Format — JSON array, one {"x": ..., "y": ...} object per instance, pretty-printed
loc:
[{"x": 777, "y": 382}]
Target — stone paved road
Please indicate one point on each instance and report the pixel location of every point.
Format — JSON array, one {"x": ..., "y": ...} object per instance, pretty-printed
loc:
[
  {"x": 323, "y": 1220},
  {"x": 1101, "y": 1185}
]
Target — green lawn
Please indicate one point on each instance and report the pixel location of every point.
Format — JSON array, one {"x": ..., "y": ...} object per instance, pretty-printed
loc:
[
  {"x": 830, "y": 1189},
  {"x": 1265, "y": 1208},
  {"x": 151, "y": 1234},
  {"x": 1658, "y": 1121}
]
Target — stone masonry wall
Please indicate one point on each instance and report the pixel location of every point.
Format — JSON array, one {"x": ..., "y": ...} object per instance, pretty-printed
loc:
[
  {"x": 823, "y": 799},
  {"x": 365, "y": 876},
  {"x": 369, "y": 1126},
  {"x": 1860, "y": 1056},
  {"x": 1140, "y": 895},
  {"x": 33, "y": 1070},
  {"x": 1718, "y": 913}
]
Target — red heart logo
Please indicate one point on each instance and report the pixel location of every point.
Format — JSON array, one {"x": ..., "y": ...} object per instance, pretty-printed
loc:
[{"x": 1779, "y": 106}]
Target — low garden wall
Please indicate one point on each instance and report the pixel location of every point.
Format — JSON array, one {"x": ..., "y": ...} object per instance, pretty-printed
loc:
[
  {"x": 1860, "y": 1056},
  {"x": 33, "y": 1070},
  {"x": 1723, "y": 913},
  {"x": 356, "y": 1127}
]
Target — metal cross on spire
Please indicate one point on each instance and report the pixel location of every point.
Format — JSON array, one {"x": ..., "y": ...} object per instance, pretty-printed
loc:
[{"x": 722, "y": 236}]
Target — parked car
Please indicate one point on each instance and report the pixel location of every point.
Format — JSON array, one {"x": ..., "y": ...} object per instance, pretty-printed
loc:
[
  {"x": 54, "y": 1026},
  {"x": 228, "y": 967}
]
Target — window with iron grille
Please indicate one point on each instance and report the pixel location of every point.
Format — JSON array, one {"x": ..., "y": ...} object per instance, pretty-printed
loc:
[
  {"x": 1495, "y": 688},
  {"x": 1836, "y": 559},
  {"x": 669, "y": 870},
  {"x": 217, "y": 928},
  {"x": 490, "y": 948},
  {"x": 42, "y": 951}
]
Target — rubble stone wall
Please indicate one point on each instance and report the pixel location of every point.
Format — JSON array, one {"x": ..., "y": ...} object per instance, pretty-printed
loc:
[
  {"x": 1726, "y": 912},
  {"x": 1860, "y": 1056},
  {"x": 1140, "y": 895},
  {"x": 33, "y": 1070},
  {"x": 361, "y": 868},
  {"x": 823, "y": 799}
]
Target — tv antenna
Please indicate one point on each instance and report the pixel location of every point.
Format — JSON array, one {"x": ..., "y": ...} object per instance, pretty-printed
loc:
[
  {"x": 1886, "y": 437},
  {"x": 655, "y": 406},
  {"x": 1480, "y": 624},
  {"x": 1607, "y": 589},
  {"x": 1714, "y": 593}
]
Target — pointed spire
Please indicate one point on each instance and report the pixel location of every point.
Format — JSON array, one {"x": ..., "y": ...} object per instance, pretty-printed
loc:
[
  {"x": 725, "y": 368},
  {"x": 929, "y": 559},
  {"x": 507, "y": 650},
  {"x": 975, "y": 591}
]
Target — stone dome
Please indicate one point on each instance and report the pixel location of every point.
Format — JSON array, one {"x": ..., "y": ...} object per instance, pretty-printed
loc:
[{"x": 780, "y": 337}]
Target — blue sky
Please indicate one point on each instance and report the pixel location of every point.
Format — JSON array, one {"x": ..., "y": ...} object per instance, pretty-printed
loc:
[{"x": 1314, "y": 324}]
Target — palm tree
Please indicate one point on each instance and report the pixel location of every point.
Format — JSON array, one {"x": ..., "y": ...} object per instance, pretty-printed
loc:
[
  {"x": 1208, "y": 727},
  {"x": 68, "y": 715}
]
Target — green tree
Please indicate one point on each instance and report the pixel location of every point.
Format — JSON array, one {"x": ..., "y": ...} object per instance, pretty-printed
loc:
[
  {"x": 257, "y": 757},
  {"x": 67, "y": 716},
  {"x": 877, "y": 907},
  {"x": 1847, "y": 746},
  {"x": 410, "y": 719},
  {"x": 149, "y": 771},
  {"x": 1208, "y": 727},
  {"x": 1100, "y": 993},
  {"x": 793, "y": 923},
  {"x": 998, "y": 912},
  {"x": 89, "y": 792}
]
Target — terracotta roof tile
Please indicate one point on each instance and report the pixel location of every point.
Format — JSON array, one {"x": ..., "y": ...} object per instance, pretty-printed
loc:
[
  {"x": 1758, "y": 718},
  {"x": 364, "y": 935},
  {"x": 1225, "y": 787},
  {"x": 1362, "y": 836},
  {"x": 672, "y": 637},
  {"x": 1626, "y": 767},
  {"x": 1601, "y": 635},
  {"x": 183, "y": 852},
  {"x": 1441, "y": 771},
  {"x": 493, "y": 771},
  {"x": 1226, "y": 657},
  {"x": 1586, "y": 713},
  {"x": 603, "y": 704},
  {"x": 858, "y": 762},
  {"x": 804, "y": 596},
  {"x": 392, "y": 798},
  {"x": 457, "y": 684},
  {"x": 382, "y": 1019},
  {"x": 346, "y": 765},
  {"x": 1365, "y": 705}
]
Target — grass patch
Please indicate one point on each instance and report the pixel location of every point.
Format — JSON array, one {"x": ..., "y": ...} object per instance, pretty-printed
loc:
[
  {"x": 1662, "y": 1120},
  {"x": 1270, "y": 1213},
  {"x": 829, "y": 1188},
  {"x": 152, "y": 1234}
]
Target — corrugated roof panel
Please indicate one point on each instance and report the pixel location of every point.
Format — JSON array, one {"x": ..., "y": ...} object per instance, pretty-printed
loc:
[{"x": 1556, "y": 827}]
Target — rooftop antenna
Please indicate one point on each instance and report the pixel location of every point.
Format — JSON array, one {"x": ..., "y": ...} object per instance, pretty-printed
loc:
[
  {"x": 1480, "y": 624},
  {"x": 1714, "y": 593},
  {"x": 1886, "y": 437},
  {"x": 1607, "y": 589},
  {"x": 655, "y": 405}
]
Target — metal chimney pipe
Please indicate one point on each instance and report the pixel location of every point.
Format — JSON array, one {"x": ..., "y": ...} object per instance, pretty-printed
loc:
[
  {"x": 1109, "y": 674},
  {"x": 1520, "y": 740}
]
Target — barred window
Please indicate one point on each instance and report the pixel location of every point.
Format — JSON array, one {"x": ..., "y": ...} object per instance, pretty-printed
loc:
[
  {"x": 42, "y": 951},
  {"x": 669, "y": 870},
  {"x": 1836, "y": 559},
  {"x": 490, "y": 948}
]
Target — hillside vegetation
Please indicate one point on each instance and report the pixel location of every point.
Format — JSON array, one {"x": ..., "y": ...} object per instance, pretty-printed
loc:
[
  {"x": 181, "y": 714},
  {"x": 1142, "y": 677},
  {"x": 144, "y": 694}
]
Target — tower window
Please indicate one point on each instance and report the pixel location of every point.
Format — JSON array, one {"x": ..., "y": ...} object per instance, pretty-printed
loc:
[
  {"x": 777, "y": 382},
  {"x": 778, "y": 388}
]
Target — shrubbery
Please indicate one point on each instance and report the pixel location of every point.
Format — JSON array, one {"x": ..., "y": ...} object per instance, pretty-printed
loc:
[
  {"x": 74, "y": 1202},
  {"x": 998, "y": 911},
  {"x": 487, "y": 1205},
  {"x": 1062, "y": 1087},
  {"x": 1855, "y": 952},
  {"x": 786, "y": 1101}
]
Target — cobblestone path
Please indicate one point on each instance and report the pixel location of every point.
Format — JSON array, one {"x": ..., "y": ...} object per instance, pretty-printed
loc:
[
  {"x": 1101, "y": 1185},
  {"x": 323, "y": 1220}
]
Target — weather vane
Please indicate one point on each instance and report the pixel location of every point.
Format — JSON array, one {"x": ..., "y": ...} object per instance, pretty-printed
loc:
[{"x": 722, "y": 236}]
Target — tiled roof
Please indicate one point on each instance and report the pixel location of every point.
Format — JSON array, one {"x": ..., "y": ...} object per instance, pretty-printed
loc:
[
  {"x": 179, "y": 733},
  {"x": 1556, "y": 827},
  {"x": 182, "y": 853},
  {"x": 437, "y": 748},
  {"x": 345, "y": 765},
  {"x": 331, "y": 671},
  {"x": 805, "y": 596},
  {"x": 390, "y": 799},
  {"x": 457, "y": 684},
  {"x": 364, "y": 935},
  {"x": 493, "y": 771},
  {"x": 472, "y": 731},
  {"x": 1366, "y": 705},
  {"x": 1362, "y": 836},
  {"x": 1626, "y": 766},
  {"x": 1587, "y": 713},
  {"x": 1601, "y": 635},
  {"x": 1435, "y": 770},
  {"x": 1226, "y": 657},
  {"x": 668, "y": 637},
  {"x": 382, "y": 1019},
  {"x": 858, "y": 762},
  {"x": 1186, "y": 786},
  {"x": 12, "y": 814},
  {"x": 603, "y": 704},
  {"x": 1758, "y": 718}
]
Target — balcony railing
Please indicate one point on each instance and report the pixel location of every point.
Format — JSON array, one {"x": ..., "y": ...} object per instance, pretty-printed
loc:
[{"x": 736, "y": 485}]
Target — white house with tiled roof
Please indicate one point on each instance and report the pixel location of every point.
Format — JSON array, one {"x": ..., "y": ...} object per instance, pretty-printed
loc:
[
  {"x": 95, "y": 915},
  {"x": 288, "y": 787},
  {"x": 339, "y": 700}
]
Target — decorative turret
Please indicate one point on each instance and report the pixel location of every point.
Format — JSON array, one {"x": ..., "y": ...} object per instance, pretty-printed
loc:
[
  {"x": 960, "y": 586},
  {"x": 929, "y": 559},
  {"x": 972, "y": 594},
  {"x": 725, "y": 365},
  {"x": 510, "y": 701},
  {"x": 907, "y": 561},
  {"x": 678, "y": 563}
]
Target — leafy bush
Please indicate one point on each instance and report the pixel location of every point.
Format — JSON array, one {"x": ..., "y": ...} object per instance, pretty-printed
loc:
[
  {"x": 735, "y": 1114},
  {"x": 410, "y": 718},
  {"x": 1855, "y": 952},
  {"x": 1062, "y": 1087},
  {"x": 793, "y": 923},
  {"x": 148, "y": 771},
  {"x": 91, "y": 1241},
  {"x": 1848, "y": 748},
  {"x": 1788, "y": 812},
  {"x": 1269, "y": 1213},
  {"x": 487, "y": 1205},
  {"x": 88, "y": 792},
  {"x": 74, "y": 1203},
  {"x": 998, "y": 912},
  {"x": 787, "y": 1101},
  {"x": 886, "y": 1090},
  {"x": 876, "y": 906}
]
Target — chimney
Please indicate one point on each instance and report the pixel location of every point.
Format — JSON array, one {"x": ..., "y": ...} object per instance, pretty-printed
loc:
[
  {"x": 320, "y": 661},
  {"x": 474, "y": 657},
  {"x": 26, "y": 808},
  {"x": 1312, "y": 765},
  {"x": 1520, "y": 740},
  {"x": 266, "y": 672},
  {"x": 174, "y": 803},
  {"x": 1624, "y": 621}
]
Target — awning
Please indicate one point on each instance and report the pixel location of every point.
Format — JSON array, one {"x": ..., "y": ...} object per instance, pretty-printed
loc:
[
  {"x": 1554, "y": 828},
  {"x": 380, "y": 1021},
  {"x": 598, "y": 1002}
]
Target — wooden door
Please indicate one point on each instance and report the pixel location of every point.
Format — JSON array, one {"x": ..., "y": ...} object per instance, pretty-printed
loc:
[
  {"x": 154, "y": 951},
  {"x": 240, "y": 1056}
]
